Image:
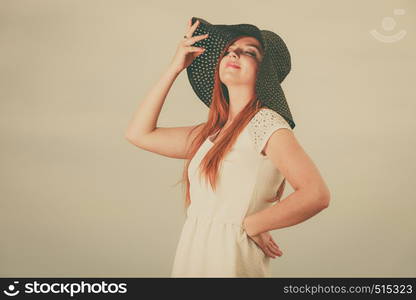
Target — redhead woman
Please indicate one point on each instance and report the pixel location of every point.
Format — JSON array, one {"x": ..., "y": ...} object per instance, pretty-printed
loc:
[{"x": 237, "y": 162}]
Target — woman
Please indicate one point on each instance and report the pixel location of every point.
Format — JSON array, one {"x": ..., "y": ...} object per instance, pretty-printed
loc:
[{"x": 236, "y": 162}]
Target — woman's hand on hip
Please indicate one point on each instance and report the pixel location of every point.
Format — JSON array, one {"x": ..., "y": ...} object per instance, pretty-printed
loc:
[{"x": 265, "y": 241}]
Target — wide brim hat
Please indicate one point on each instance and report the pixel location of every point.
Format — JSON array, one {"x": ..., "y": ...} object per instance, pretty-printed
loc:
[{"x": 274, "y": 67}]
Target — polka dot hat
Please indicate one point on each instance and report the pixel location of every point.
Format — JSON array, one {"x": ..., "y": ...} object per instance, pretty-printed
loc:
[{"x": 273, "y": 70}]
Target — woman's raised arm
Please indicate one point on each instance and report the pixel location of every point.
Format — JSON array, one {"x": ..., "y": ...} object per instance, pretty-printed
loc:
[{"x": 142, "y": 130}]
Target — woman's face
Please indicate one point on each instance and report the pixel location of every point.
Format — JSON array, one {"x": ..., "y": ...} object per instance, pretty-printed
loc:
[{"x": 246, "y": 57}]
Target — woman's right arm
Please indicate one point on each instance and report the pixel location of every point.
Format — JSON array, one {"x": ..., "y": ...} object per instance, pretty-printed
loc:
[{"x": 142, "y": 130}]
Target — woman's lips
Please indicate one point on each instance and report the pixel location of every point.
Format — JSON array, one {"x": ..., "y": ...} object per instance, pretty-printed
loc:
[{"x": 233, "y": 66}]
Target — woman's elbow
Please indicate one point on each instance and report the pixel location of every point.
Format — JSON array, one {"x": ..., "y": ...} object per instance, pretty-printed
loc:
[
  {"x": 324, "y": 197},
  {"x": 320, "y": 195}
]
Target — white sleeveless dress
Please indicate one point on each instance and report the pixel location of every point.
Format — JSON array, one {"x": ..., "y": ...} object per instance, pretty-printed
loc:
[{"x": 213, "y": 242}]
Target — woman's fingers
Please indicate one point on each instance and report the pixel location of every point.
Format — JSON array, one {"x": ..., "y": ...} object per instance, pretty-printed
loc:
[
  {"x": 199, "y": 37},
  {"x": 192, "y": 28},
  {"x": 195, "y": 49},
  {"x": 274, "y": 243},
  {"x": 192, "y": 40},
  {"x": 278, "y": 249},
  {"x": 275, "y": 251},
  {"x": 268, "y": 252},
  {"x": 275, "y": 247},
  {"x": 268, "y": 245}
]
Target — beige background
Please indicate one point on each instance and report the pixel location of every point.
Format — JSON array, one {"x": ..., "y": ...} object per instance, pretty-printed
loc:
[{"x": 78, "y": 200}]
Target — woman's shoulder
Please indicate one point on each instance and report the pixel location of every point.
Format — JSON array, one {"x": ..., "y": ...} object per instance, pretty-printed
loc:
[
  {"x": 263, "y": 124},
  {"x": 266, "y": 118}
]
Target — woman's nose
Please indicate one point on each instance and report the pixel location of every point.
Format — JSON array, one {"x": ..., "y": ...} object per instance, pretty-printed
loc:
[{"x": 232, "y": 53}]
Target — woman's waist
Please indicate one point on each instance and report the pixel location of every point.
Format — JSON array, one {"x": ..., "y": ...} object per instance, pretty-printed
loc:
[{"x": 215, "y": 218}]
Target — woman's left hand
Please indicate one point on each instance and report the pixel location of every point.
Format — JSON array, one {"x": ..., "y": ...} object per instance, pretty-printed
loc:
[{"x": 265, "y": 241}]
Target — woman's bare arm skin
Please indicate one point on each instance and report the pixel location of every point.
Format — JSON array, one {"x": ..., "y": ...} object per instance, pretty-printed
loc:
[
  {"x": 142, "y": 130},
  {"x": 311, "y": 193}
]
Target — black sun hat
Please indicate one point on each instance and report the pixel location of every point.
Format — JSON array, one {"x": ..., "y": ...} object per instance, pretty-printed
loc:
[{"x": 274, "y": 67}]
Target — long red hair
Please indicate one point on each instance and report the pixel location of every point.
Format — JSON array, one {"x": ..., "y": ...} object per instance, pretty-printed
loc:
[{"x": 217, "y": 117}]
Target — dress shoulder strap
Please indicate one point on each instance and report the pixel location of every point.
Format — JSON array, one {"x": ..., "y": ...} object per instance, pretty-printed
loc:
[{"x": 263, "y": 124}]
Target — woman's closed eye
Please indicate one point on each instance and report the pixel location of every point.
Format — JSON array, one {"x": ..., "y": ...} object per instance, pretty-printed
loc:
[{"x": 251, "y": 53}]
